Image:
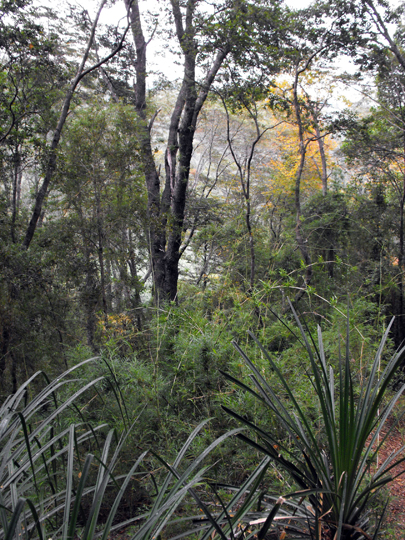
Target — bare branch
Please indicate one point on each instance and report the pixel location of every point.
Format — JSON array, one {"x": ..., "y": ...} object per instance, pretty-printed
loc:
[{"x": 152, "y": 120}]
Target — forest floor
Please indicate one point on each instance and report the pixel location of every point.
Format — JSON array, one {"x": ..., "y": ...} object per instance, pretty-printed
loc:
[{"x": 395, "y": 517}]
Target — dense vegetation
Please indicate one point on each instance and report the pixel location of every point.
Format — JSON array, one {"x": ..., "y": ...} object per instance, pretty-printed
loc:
[{"x": 150, "y": 219}]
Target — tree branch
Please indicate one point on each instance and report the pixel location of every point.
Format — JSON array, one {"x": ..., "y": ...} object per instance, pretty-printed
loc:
[{"x": 51, "y": 165}]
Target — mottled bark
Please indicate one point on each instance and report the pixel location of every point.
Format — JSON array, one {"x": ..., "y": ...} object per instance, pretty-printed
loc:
[
  {"x": 321, "y": 145},
  {"x": 315, "y": 110},
  {"x": 301, "y": 240},
  {"x": 401, "y": 257},
  {"x": 17, "y": 174},
  {"x": 100, "y": 250},
  {"x": 4, "y": 353}
]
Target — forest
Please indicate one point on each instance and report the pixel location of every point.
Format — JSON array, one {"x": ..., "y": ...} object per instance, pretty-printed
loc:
[{"x": 202, "y": 261}]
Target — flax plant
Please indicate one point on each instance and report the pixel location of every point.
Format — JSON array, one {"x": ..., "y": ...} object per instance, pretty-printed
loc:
[
  {"x": 55, "y": 479},
  {"x": 337, "y": 476},
  {"x": 46, "y": 468}
]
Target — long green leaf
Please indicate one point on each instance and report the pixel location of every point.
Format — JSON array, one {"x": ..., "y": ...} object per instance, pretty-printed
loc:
[
  {"x": 78, "y": 498},
  {"x": 69, "y": 482},
  {"x": 114, "y": 508},
  {"x": 15, "y": 520}
]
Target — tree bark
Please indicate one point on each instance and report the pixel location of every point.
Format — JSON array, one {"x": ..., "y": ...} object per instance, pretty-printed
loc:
[
  {"x": 301, "y": 241},
  {"x": 321, "y": 145},
  {"x": 401, "y": 257},
  {"x": 100, "y": 249},
  {"x": 17, "y": 173},
  {"x": 4, "y": 353}
]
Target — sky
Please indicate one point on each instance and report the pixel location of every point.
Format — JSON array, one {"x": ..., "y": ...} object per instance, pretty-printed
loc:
[
  {"x": 156, "y": 62},
  {"x": 118, "y": 10},
  {"x": 166, "y": 65}
]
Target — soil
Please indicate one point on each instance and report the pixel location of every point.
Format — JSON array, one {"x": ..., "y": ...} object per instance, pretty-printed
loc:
[{"x": 395, "y": 514}]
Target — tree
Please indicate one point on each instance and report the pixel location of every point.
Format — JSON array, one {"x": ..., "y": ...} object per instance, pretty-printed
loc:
[
  {"x": 244, "y": 159},
  {"x": 377, "y": 142},
  {"x": 100, "y": 193},
  {"x": 302, "y": 112},
  {"x": 50, "y": 167},
  {"x": 32, "y": 73},
  {"x": 206, "y": 41},
  {"x": 37, "y": 91}
]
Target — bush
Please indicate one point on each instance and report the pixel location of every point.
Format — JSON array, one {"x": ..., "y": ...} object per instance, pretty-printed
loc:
[{"x": 332, "y": 460}]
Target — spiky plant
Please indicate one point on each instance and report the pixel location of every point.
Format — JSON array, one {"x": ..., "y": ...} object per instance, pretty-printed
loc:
[
  {"x": 339, "y": 476},
  {"x": 44, "y": 466},
  {"x": 47, "y": 471}
]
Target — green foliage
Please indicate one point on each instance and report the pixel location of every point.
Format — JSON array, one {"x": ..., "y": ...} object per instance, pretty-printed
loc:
[
  {"x": 321, "y": 429},
  {"x": 332, "y": 460},
  {"x": 84, "y": 286},
  {"x": 56, "y": 476},
  {"x": 34, "y": 316}
]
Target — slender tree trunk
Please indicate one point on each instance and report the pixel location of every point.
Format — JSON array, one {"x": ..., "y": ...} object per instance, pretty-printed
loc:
[
  {"x": 3, "y": 354},
  {"x": 251, "y": 245},
  {"x": 90, "y": 302},
  {"x": 301, "y": 240},
  {"x": 321, "y": 145},
  {"x": 157, "y": 219},
  {"x": 178, "y": 194},
  {"x": 51, "y": 163},
  {"x": 14, "y": 384},
  {"x": 133, "y": 271},
  {"x": 330, "y": 251},
  {"x": 88, "y": 295},
  {"x": 206, "y": 261},
  {"x": 244, "y": 170},
  {"x": 109, "y": 290},
  {"x": 315, "y": 111},
  {"x": 401, "y": 261},
  {"x": 16, "y": 191},
  {"x": 100, "y": 250}
]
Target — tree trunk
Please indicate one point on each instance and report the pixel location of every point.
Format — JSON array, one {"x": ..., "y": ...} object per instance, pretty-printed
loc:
[
  {"x": 315, "y": 112},
  {"x": 166, "y": 210},
  {"x": 301, "y": 241},
  {"x": 3, "y": 355},
  {"x": 90, "y": 302},
  {"x": 51, "y": 164},
  {"x": 324, "y": 174},
  {"x": 17, "y": 173},
  {"x": 401, "y": 256},
  {"x": 100, "y": 249}
]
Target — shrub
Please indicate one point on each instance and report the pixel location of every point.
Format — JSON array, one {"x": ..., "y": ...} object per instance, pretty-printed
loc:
[
  {"x": 333, "y": 461},
  {"x": 50, "y": 469}
]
